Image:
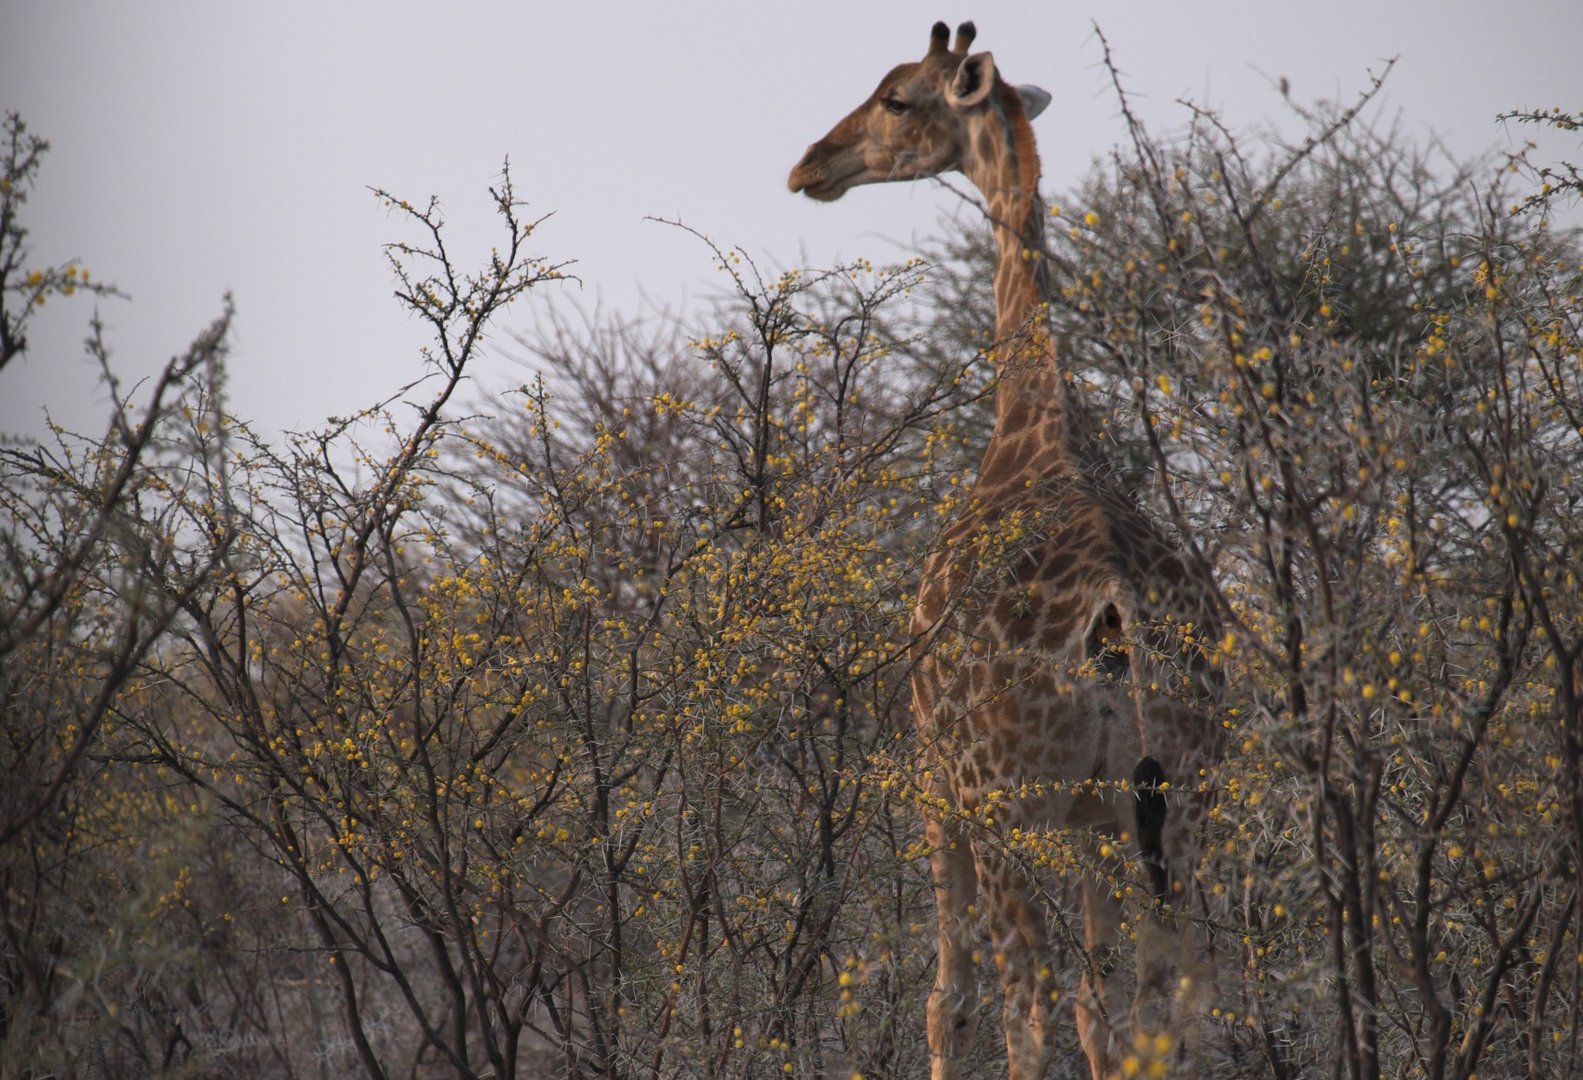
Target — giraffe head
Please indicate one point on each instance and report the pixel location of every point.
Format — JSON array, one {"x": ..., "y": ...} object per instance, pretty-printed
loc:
[{"x": 918, "y": 122}]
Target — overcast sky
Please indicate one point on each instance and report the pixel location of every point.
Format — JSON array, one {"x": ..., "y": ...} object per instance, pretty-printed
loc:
[{"x": 200, "y": 148}]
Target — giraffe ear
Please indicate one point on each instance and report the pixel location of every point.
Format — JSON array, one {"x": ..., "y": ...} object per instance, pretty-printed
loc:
[
  {"x": 975, "y": 78},
  {"x": 1034, "y": 100}
]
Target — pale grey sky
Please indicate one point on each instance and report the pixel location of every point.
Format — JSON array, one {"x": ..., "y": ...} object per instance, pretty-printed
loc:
[{"x": 201, "y": 147}]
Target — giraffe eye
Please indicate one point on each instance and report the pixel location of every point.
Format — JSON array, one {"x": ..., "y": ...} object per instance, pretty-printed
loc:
[{"x": 894, "y": 105}]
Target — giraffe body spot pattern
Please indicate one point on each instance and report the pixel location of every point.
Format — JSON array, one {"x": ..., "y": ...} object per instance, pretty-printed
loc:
[{"x": 1048, "y": 615}]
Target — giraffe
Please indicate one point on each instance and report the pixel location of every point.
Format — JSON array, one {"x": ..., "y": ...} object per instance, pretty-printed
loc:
[{"x": 1050, "y": 623}]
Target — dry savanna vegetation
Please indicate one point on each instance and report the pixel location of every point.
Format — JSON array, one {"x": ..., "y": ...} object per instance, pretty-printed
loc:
[{"x": 565, "y": 733}]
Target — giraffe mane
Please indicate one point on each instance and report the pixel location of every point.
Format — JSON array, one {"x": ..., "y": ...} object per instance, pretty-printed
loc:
[{"x": 1024, "y": 144}]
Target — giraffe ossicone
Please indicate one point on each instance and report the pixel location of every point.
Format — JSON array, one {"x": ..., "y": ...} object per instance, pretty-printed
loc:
[{"x": 1049, "y": 620}]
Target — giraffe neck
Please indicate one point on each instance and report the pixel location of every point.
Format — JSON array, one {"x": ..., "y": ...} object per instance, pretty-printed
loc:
[{"x": 1038, "y": 425}]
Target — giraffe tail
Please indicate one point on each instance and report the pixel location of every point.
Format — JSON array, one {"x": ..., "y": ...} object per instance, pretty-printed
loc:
[{"x": 1148, "y": 808}]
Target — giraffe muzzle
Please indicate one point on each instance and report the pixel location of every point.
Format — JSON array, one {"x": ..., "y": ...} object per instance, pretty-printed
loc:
[{"x": 819, "y": 174}]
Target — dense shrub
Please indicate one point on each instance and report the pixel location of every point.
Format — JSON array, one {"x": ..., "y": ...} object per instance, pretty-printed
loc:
[{"x": 569, "y": 736}]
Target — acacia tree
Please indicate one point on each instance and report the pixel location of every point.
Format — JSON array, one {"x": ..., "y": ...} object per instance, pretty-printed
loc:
[
  {"x": 760, "y": 616},
  {"x": 1351, "y": 380},
  {"x": 565, "y": 760},
  {"x": 94, "y": 569},
  {"x": 565, "y": 733}
]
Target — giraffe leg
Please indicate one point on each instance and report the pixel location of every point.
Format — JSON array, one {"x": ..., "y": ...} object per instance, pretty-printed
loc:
[
  {"x": 1016, "y": 924},
  {"x": 1157, "y": 937},
  {"x": 1098, "y": 1022},
  {"x": 953, "y": 1004},
  {"x": 1174, "y": 972}
]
